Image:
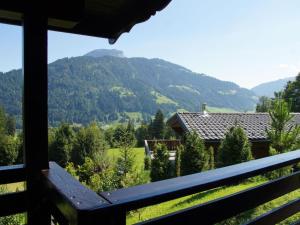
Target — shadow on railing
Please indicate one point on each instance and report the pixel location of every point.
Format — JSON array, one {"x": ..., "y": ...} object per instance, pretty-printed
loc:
[{"x": 72, "y": 203}]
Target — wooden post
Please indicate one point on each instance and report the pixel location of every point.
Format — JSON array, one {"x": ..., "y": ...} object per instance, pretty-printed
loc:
[{"x": 35, "y": 113}]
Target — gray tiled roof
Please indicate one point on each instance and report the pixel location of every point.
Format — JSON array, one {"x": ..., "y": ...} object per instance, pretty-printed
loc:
[{"x": 213, "y": 126}]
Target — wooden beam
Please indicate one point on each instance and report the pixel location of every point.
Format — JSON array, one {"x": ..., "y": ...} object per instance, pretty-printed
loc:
[
  {"x": 35, "y": 104},
  {"x": 75, "y": 201},
  {"x": 156, "y": 192},
  {"x": 278, "y": 214},
  {"x": 13, "y": 203},
  {"x": 12, "y": 174},
  {"x": 226, "y": 207}
]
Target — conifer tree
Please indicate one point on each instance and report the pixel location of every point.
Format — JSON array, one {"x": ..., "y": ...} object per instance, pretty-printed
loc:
[
  {"x": 160, "y": 165},
  {"x": 179, "y": 151},
  {"x": 235, "y": 148},
  {"x": 211, "y": 158},
  {"x": 282, "y": 135},
  {"x": 158, "y": 125},
  {"x": 194, "y": 156}
]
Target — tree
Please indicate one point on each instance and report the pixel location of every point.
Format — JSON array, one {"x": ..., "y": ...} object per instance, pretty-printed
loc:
[
  {"x": 291, "y": 94},
  {"x": 147, "y": 163},
  {"x": 8, "y": 150},
  {"x": 282, "y": 134},
  {"x": 211, "y": 158},
  {"x": 160, "y": 165},
  {"x": 178, "y": 156},
  {"x": 264, "y": 104},
  {"x": 89, "y": 141},
  {"x": 142, "y": 134},
  {"x": 62, "y": 145},
  {"x": 158, "y": 126},
  {"x": 126, "y": 159},
  {"x": 235, "y": 148},
  {"x": 194, "y": 156}
]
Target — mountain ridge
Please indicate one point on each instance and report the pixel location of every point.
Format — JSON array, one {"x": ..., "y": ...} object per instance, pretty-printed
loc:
[
  {"x": 108, "y": 88},
  {"x": 268, "y": 88}
]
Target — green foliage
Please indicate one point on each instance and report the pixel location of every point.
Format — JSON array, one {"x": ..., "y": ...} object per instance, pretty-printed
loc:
[
  {"x": 89, "y": 141},
  {"x": 70, "y": 168},
  {"x": 282, "y": 135},
  {"x": 211, "y": 158},
  {"x": 83, "y": 89},
  {"x": 109, "y": 137},
  {"x": 158, "y": 126},
  {"x": 291, "y": 94},
  {"x": 8, "y": 150},
  {"x": 235, "y": 148},
  {"x": 124, "y": 166},
  {"x": 264, "y": 104},
  {"x": 142, "y": 134},
  {"x": 178, "y": 156},
  {"x": 98, "y": 176},
  {"x": 194, "y": 156},
  {"x": 147, "y": 163},
  {"x": 160, "y": 165},
  {"x": 61, "y": 146}
]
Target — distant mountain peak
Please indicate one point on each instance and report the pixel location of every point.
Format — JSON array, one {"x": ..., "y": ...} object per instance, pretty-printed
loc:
[
  {"x": 105, "y": 52},
  {"x": 268, "y": 88}
]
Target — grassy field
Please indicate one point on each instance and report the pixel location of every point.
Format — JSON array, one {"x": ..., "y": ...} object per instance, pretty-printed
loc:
[
  {"x": 139, "y": 154},
  {"x": 13, "y": 187},
  {"x": 191, "y": 200}
]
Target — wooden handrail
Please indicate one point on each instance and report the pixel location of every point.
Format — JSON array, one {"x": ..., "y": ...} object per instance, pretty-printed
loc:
[
  {"x": 111, "y": 207},
  {"x": 12, "y": 174},
  {"x": 157, "y": 192}
]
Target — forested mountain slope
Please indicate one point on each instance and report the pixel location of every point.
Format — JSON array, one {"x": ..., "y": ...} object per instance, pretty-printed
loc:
[{"x": 108, "y": 88}]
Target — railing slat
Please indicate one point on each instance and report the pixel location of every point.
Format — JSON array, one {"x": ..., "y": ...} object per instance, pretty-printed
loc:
[
  {"x": 279, "y": 214},
  {"x": 226, "y": 207},
  {"x": 13, "y": 203},
  {"x": 157, "y": 192},
  {"x": 69, "y": 195},
  {"x": 12, "y": 174}
]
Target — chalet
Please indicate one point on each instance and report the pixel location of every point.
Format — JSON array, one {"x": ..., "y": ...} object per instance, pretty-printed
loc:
[{"x": 212, "y": 127}]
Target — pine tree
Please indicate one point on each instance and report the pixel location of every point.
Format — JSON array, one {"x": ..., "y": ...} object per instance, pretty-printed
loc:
[
  {"x": 235, "y": 148},
  {"x": 160, "y": 165},
  {"x": 194, "y": 156},
  {"x": 178, "y": 156},
  {"x": 142, "y": 134},
  {"x": 158, "y": 125},
  {"x": 282, "y": 135},
  {"x": 211, "y": 158}
]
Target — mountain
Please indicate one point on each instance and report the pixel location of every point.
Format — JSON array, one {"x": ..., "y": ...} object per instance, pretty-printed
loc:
[
  {"x": 106, "y": 88},
  {"x": 268, "y": 88},
  {"x": 105, "y": 52}
]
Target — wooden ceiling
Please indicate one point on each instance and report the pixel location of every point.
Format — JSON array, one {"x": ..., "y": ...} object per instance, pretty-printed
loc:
[{"x": 100, "y": 18}]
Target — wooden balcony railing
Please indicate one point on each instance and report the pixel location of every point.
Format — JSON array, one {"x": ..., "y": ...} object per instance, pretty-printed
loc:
[{"x": 69, "y": 202}]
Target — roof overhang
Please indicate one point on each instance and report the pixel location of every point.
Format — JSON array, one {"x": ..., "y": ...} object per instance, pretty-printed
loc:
[{"x": 100, "y": 18}]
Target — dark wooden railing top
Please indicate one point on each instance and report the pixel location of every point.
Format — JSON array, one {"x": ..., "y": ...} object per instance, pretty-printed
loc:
[
  {"x": 157, "y": 192},
  {"x": 79, "y": 205}
]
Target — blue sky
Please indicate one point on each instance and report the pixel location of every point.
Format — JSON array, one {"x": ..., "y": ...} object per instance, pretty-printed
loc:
[{"x": 247, "y": 42}]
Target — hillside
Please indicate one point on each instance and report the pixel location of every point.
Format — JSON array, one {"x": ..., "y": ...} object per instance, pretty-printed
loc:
[
  {"x": 106, "y": 88},
  {"x": 268, "y": 88}
]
